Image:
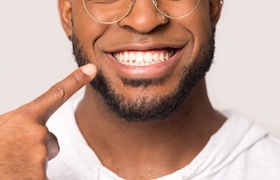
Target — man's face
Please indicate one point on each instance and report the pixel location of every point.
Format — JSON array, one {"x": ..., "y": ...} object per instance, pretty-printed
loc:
[{"x": 144, "y": 91}]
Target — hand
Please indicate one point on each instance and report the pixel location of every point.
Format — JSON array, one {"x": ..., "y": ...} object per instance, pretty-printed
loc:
[{"x": 25, "y": 142}]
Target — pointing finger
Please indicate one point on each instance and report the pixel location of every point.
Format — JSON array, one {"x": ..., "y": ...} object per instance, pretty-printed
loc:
[{"x": 46, "y": 104}]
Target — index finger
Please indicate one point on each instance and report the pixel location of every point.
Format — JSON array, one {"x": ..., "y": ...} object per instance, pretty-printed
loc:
[{"x": 46, "y": 104}]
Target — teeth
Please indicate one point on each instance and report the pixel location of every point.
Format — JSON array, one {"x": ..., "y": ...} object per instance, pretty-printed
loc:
[
  {"x": 148, "y": 57},
  {"x": 126, "y": 57},
  {"x": 140, "y": 58}
]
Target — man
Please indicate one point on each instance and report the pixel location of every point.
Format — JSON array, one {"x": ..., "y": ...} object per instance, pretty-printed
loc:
[{"x": 145, "y": 113}]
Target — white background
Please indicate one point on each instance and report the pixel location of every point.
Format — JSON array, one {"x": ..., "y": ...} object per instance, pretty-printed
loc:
[{"x": 34, "y": 54}]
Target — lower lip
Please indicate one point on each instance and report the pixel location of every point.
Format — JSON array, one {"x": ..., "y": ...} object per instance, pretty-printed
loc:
[{"x": 149, "y": 71}]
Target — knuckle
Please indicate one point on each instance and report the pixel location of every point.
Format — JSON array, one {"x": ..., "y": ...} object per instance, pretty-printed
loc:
[
  {"x": 77, "y": 77},
  {"x": 34, "y": 134},
  {"x": 40, "y": 133},
  {"x": 58, "y": 91}
]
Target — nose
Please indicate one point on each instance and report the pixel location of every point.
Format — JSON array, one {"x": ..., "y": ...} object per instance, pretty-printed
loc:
[{"x": 143, "y": 17}]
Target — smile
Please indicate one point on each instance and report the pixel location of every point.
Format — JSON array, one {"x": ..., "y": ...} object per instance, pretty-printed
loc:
[{"x": 143, "y": 58}]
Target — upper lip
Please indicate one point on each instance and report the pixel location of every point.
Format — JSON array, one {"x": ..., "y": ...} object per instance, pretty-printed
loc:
[{"x": 143, "y": 47}]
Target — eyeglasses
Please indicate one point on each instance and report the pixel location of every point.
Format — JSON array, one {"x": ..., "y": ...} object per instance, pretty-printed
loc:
[{"x": 113, "y": 11}]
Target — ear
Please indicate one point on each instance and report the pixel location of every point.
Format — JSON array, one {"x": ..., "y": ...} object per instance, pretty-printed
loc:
[
  {"x": 215, "y": 8},
  {"x": 65, "y": 13}
]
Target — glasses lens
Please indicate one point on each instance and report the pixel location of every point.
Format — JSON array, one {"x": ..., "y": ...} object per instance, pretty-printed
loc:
[
  {"x": 107, "y": 11},
  {"x": 177, "y": 8}
]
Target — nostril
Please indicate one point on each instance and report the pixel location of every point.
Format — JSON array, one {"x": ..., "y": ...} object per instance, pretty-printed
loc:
[{"x": 143, "y": 17}]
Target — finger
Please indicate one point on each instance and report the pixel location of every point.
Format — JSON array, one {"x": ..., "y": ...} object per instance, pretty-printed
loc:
[
  {"x": 50, "y": 101},
  {"x": 52, "y": 146}
]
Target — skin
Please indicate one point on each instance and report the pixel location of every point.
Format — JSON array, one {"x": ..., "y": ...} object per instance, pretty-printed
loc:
[
  {"x": 154, "y": 148},
  {"x": 26, "y": 144},
  {"x": 138, "y": 150}
]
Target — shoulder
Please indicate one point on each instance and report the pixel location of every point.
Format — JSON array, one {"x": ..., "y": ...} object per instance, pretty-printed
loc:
[
  {"x": 261, "y": 152},
  {"x": 255, "y": 154},
  {"x": 266, "y": 151},
  {"x": 261, "y": 160}
]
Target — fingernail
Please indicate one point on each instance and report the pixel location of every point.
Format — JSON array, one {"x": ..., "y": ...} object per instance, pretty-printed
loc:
[{"x": 89, "y": 69}]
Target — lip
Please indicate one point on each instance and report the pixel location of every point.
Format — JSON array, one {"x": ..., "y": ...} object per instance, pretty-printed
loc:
[
  {"x": 148, "y": 71},
  {"x": 145, "y": 47}
]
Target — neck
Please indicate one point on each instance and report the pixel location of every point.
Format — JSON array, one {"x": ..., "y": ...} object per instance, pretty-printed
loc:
[{"x": 149, "y": 146}]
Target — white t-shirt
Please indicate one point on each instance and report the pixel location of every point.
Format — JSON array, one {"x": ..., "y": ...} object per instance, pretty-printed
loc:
[{"x": 239, "y": 150}]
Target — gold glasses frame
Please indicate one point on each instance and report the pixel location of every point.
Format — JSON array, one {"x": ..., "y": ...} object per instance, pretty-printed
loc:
[{"x": 132, "y": 2}]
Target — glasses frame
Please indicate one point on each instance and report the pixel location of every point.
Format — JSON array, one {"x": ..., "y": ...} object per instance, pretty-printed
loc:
[{"x": 132, "y": 2}]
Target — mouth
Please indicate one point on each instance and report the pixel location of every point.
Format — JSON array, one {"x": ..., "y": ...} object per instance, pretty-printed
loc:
[{"x": 143, "y": 58}]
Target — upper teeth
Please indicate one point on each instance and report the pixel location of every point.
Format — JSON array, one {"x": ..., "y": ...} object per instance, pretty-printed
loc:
[{"x": 142, "y": 58}]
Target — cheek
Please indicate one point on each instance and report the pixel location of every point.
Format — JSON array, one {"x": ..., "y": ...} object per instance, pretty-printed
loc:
[
  {"x": 199, "y": 23},
  {"x": 88, "y": 32},
  {"x": 200, "y": 28}
]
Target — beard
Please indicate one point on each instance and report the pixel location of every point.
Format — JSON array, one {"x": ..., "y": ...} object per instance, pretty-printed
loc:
[{"x": 146, "y": 108}]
